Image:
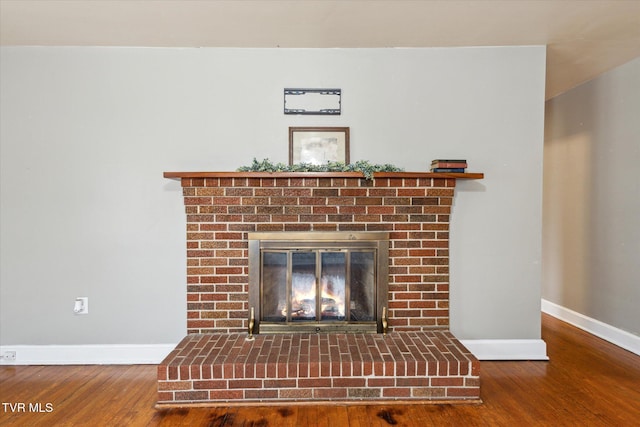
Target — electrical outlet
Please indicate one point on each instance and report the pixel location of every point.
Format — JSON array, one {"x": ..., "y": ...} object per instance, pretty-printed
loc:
[
  {"x": 81, "y": 305},
  {"x": 9, "y": 356}
]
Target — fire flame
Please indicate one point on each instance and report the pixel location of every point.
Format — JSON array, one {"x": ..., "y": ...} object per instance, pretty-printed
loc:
[{"x": 303, "y": 298}]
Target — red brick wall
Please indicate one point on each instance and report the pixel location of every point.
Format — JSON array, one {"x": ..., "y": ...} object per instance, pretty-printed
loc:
[{"x": 221, "y": 211}]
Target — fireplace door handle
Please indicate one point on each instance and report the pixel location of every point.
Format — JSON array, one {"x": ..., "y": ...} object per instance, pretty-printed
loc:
[
  {"x": 252, "y": 322},
  {"x": 385, "y": 321}
]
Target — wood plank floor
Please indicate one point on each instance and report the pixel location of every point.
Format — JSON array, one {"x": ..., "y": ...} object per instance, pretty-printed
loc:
[{"x": 588, "y": 382}]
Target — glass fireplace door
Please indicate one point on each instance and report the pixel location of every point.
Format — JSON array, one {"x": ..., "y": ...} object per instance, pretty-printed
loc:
[
  {"x": 274, "y": 295},
  {"x": 362, "y": 297},
  {"x": 333, "y": 276},
  {"x": 303, "y": 299},
  {"x": 330, "y": 287},
  {"x": 318, "y": 282}
]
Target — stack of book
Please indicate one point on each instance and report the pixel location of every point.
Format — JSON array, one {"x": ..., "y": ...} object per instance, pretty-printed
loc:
[{"x": 449, "y": 165}]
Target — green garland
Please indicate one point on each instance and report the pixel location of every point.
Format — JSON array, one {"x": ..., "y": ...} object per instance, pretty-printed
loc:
[{"x": 363, "y": 166}]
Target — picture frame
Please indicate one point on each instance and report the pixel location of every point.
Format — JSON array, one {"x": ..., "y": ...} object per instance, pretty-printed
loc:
[{"x": 318, "y": 145}]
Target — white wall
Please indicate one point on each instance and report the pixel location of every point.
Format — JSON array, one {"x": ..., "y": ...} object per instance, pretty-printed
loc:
[
  {"x": 592, "y": 199},
  {"x": 87, "y": 133}
]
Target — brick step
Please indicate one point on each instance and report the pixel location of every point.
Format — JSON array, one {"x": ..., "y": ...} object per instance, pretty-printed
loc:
[{"x": 401, "y": 366}]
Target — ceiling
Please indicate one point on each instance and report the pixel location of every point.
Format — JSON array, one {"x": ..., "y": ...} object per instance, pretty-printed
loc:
[{"x": 583, "y": 38}]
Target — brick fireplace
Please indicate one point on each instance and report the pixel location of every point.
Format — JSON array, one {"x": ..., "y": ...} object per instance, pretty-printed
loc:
[{"x": 418, "y": 360}]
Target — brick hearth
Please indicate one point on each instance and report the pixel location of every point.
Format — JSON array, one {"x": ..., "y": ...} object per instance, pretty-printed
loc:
[
  {"x": 338, "y": 367},
  {"x": 222, "y": 208}
]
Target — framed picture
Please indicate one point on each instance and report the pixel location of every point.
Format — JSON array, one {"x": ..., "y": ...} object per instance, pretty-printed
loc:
[{"x": 318, "y": 145}]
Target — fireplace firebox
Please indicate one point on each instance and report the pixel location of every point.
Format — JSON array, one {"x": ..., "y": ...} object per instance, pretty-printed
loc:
[{"x": 312, "y": 282}]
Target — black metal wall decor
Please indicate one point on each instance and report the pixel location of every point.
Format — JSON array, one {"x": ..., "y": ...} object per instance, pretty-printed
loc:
[{"x": 317, "y": 102}]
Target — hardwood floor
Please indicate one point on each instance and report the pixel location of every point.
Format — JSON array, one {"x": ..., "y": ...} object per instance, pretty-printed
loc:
[{"x": 587, "y": 382}]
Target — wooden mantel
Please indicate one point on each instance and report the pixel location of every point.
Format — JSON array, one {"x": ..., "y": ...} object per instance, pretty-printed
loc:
[{"x": 179, "y": 175}]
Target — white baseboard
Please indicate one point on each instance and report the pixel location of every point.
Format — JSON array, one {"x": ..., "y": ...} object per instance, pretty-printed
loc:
[
  {"x": 507, "y": 349},
  {"x": 100, "y": 354},
  {"x": 142, "y": 354},
  {"x": 616, "y": 336}
]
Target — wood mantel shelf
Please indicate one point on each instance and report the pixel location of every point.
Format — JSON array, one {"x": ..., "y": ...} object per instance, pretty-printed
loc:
[{"x": 179, "y": 175}]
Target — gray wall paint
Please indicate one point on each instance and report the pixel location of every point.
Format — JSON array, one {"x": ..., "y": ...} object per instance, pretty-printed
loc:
[
  {"x": 592, "y": 199},
  {"x": 87, "y": 132}
]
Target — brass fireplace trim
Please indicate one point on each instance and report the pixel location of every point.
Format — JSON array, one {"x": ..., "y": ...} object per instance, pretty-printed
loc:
[
  {"x": 328, "y": 240},
  {"x": 320, "y": 236}
]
